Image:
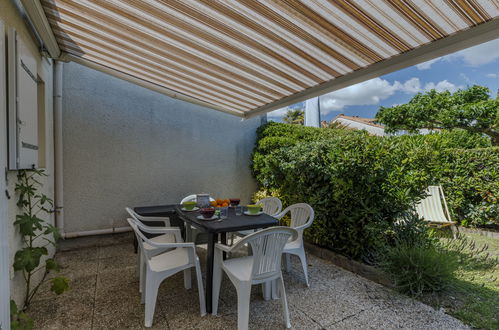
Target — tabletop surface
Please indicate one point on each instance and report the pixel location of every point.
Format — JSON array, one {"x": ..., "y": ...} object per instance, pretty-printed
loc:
[{"x": 231, "y": 224}]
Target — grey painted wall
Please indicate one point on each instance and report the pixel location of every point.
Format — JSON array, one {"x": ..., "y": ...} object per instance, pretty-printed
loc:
[{"x": 125, "y": 145}]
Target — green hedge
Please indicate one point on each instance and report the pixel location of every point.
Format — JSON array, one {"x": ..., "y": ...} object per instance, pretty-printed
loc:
[
  {"x": 358, "y": 184},
  {"x": 470, "y": 178}
]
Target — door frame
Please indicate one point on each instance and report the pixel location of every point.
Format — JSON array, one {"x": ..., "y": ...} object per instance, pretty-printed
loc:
[{"x": 4, "y": 227}]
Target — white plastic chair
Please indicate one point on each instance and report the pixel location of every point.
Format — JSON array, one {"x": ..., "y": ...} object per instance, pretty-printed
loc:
[
  {"x": 158, "y": 267},
  {"x": 431, "y": 210},
  {"x": 162, "y": 238},
  {"x": 193, "y": 231},
  {"x": 302, "y": 217},
  {"x": 270, "y": 205},
  {"x": 263, "y": 267}
]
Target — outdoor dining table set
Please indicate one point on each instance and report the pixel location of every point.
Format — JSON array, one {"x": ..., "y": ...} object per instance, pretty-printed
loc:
[{"x": 165, "y": 249}]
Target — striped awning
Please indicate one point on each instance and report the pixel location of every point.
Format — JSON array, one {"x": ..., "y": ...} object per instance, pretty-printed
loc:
[{"x": 248, "y": 56}]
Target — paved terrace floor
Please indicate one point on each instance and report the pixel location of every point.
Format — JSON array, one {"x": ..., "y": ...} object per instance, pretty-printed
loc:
[{"x": 104, "y": 295}]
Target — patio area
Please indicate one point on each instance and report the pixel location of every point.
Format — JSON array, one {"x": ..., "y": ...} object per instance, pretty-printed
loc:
[{"x": 104, "y": 295}]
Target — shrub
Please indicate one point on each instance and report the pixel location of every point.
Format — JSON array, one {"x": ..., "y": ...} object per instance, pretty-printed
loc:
[
  {"x": 470, "y": 178},
  {"x": 360, "y": 184},
  {"x": 416, "y": 269},
  {"x": 357, "y": 184}
]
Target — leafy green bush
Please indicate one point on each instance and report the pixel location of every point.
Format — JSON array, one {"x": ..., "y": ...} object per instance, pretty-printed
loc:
[
  {"x": 359, "y": 185},
  {"x": 470, "y": 178}
]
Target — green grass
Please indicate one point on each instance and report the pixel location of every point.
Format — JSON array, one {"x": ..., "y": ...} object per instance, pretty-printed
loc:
[{"x": 474, "y": 295}]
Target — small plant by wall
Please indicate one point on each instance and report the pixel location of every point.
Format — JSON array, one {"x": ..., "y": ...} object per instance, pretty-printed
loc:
[{"x": 36, "y": 234}]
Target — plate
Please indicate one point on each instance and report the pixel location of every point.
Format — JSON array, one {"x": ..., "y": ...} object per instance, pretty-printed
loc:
[
  {"x": 247, "y": 213},
  {"x": 200, "y": 217},
  {"x": 194, "y": 209}
]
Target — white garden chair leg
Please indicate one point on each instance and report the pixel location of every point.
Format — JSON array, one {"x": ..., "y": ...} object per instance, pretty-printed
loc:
[
  {"x": 202, "y": 302},
  {"x": 243, "y": 302},
  {"x": 187, "y": 279},
  {"x": 143, "y": 291},
  {"x": 287, "y": 262},
  {"x": 284, "y": 301},
  {"x": 217, "y": 282},
  {"x": 152, "y": 285},
  {"x": 266, "y": 290},
  {"x": 141, "y": 272},
  {"x": 303, "y": 260}
]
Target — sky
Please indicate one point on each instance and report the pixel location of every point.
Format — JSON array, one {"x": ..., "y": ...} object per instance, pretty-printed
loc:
[{"x": 476, "y": 65}]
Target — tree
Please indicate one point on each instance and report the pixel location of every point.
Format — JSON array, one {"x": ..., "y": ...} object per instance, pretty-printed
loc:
[
  {"x": 471, "y": 109},
  {"x": 294, "y": 117}
]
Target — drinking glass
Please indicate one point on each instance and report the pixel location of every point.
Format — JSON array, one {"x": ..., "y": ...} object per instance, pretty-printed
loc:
[
  {"x": 224, "y": 212},
  {"x": 239, "y": 210}
]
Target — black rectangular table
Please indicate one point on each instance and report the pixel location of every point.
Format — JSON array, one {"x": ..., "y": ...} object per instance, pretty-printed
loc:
[{"x": 233, "y": 223}]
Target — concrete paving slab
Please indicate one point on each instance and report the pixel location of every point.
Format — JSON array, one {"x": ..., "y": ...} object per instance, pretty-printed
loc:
[{"x": 105, "y": 295}]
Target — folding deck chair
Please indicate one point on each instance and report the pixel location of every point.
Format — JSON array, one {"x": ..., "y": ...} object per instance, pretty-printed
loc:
[{"x": 431, "y": 210}]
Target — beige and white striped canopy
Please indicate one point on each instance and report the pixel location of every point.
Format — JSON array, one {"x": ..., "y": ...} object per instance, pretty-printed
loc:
[{"x": 248, "y": 56}]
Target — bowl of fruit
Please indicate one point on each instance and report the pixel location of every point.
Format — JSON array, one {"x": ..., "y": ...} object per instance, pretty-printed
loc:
[
  {"x": 220, "y": 203},
  {"x": 234, "y": 201},
  {"x": 207, "y": 212}
]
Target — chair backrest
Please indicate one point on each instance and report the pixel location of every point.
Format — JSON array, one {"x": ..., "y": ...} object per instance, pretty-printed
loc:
[
  {"x": 192, "y": 198},
  {"x": 431, "y": 208},
  {"x": 134, "y": 223},
  {"x": 132, "y": 213},
  {"x": 301, "y": 214},
  {"x": 267, "y": 246},
  {"x": 271, "y": 205},
  {"x": 137, "y": 216}
]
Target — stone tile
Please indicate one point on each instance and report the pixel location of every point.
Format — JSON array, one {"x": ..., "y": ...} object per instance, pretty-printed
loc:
[
  {"x": 121, "y": 309},
  {"x": 77, "y": 286},
  {"x": 117, "y": 250},
  {"x": 78, "y": 243},
  {"x": 107, "y": 288},
  {"x": 116, "y": 263},
  {"x": 116, "y": 239},
  {"x": 63, "y": 312},
  {"x": 74, "y": 267},
  {"x": 81, "y": 254},
  {"x": 118, "y": 279}
]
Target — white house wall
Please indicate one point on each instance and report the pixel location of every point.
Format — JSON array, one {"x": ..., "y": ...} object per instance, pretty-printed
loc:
[
  {"x": 125, "y": 145},
  {"x": 11, "y": 18},
  {"x": 360, "y": 126}
]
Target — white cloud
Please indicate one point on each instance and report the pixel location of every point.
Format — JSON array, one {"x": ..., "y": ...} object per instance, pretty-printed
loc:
[
  {"x": 428, "y": 64},
  {"x": 441, "y": 86},
  {"x": 372, "y": 92},
  {"x": 482, "y": 54},
  {"x": 492, "y": 75},
  {"x": 474, "y": 56}
]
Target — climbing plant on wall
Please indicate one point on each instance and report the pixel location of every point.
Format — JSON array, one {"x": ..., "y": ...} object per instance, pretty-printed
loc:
[{"x": 37, "y": 235}]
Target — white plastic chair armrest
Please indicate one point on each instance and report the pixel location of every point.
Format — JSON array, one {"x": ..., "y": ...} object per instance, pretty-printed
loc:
[
  {"x": 280, "y": 215},
  {"x": 171, "y": 245},
  {"x": 304, "y": 226},
  {"x": 159, "y": 230},
  {"x": 224, "y": 248},
  {"x": 165, "y": 230},
  {"x": 154, "y": 219}
]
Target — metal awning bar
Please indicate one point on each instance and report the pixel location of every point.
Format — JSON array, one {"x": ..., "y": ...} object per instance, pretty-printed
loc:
[{"x": 249, "y": 57}]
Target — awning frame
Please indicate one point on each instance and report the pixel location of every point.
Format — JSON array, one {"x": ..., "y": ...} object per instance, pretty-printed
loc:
[{"x": 463, "y": 39}]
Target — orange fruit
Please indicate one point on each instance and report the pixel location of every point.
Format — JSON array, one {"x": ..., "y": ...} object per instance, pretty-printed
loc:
[
  {"x": 219, "y": 201},
  {"x": 225, "y": 204},
  {"x": 213, "y": 203},
  {"x": 226, "y": 201}
]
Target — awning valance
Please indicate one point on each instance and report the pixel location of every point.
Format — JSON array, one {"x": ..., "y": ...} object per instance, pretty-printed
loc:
[{"x": 248, "y": 57}]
